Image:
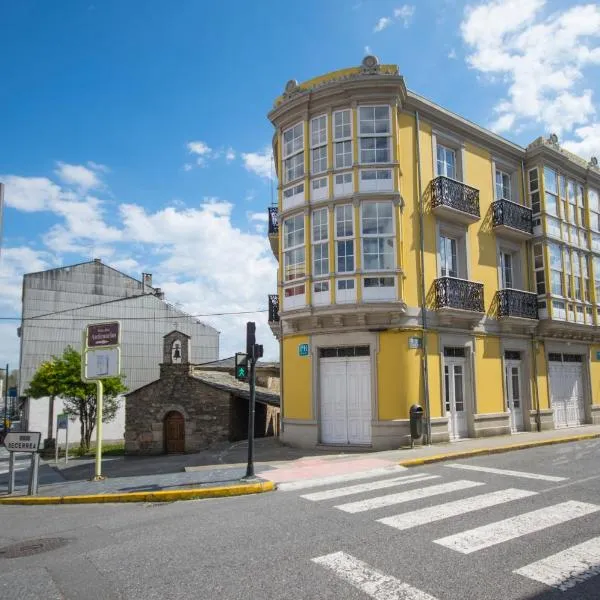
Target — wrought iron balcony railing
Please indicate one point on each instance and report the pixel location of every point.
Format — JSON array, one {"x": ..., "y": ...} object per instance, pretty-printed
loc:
[
  {"x": 273, "y": 220},
  {"x": 515, "y": 303},
  {"x": 451, "y": 292},
  {"x": 454, "y": 194},
  {"x": 513, "y": 215},
  {"x": 273, "y": 308}
]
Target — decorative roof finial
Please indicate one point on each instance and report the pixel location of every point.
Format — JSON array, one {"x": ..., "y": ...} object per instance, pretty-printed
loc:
[{"x": 554, "y": 139}]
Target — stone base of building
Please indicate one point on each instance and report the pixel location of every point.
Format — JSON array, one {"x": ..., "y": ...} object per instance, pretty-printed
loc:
[
  {"x": 491, "y": 424},
  {"x": 546, "y": 419},
  {"x": 595, "y": 414},
  {"x": 385, "y": 435}
]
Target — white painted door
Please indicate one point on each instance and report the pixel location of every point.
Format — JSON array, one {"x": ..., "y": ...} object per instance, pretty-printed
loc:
[
  {"x": 454, "y": 383},
  {"x": 514, "y": 394},
  {"x": 345, "y": 390},
  {"x": 566, "y": 393},
  {"x": 334, "y": 420}
]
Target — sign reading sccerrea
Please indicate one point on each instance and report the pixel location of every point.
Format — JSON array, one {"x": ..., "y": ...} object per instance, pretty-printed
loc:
[
  {"x": 103, "y": 334},
  {"x": 22, "y": 442}
]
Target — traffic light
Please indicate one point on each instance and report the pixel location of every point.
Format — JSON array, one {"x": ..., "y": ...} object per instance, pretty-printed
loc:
[
  {"x": 250, "y": 337},
  {"x": 258, "y": 351},
  {"x": 241, "y": 366}
]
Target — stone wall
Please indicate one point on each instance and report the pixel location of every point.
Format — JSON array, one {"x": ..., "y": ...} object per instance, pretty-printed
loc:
[{"x": 206, "y": 411}]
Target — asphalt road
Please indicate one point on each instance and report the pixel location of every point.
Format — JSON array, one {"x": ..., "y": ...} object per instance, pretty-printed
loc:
[{"x": 491, "y": 535}]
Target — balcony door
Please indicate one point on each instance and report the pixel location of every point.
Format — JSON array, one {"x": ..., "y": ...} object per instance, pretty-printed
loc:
[
  {"x": 448, "y": 256},
  {"x": 514, "y": 394},
  {"x": 455, "y": 375},
  {"x": 446, "y": 162},
  {"x": 506, "y": 270}
]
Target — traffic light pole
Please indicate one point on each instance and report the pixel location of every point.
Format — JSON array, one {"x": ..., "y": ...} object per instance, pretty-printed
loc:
[{"x": 251, "y": 411}]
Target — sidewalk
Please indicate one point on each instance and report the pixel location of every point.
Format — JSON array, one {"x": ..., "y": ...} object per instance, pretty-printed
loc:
[{"x": 220, "y": 470}]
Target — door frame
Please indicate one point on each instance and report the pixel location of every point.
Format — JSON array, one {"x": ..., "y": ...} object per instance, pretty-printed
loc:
[
  {"x": 510, "y": 363},
  {"x": 358, "y": 338},
  {"x": 165, "y": 429},
  {"x": 463, "y": 362},
  {"x": 585, "y": 351},
  {"x": 527, "y": 382}
]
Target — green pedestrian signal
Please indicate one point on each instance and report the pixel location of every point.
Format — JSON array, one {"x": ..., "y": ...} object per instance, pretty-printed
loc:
[{"x": 241, "y": 366}]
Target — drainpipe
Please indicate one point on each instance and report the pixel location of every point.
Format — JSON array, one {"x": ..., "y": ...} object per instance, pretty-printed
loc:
[
  {"x": 424, "y": 369},
  {"x": 534, "y": 345}
]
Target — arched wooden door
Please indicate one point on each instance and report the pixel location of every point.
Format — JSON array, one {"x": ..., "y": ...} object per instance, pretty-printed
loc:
[{"x": 174, "y": 432}]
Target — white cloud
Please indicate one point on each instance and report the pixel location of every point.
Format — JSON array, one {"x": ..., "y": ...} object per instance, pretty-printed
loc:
[
  {"x": 187, "y": 167},
  {"x": 230, "y": 154},
  {"x": 587, "y": 143},
  {"x": 97, "y": 166},
  {"x": 29, "y": 194},
  {"x": 259, "y": 162},
  {"x": 452, "y": 54},
  {"x": 541, "y": 57},
  {"x": 78, "y": 176},
  {"x": 405, "y": 13},
  {"x": 382, "y": 24},
  {"x": 201, "y": 150},
  {"x": 368, "y": 50},
  {"x": 263, "y": 217}
]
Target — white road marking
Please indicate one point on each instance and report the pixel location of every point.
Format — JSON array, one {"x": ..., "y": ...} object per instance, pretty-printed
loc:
[
  {"x": 372, "y": 582},
  {"x": 367, "y": 487},
  {"x": 431, "y": 514},
  {"x": 508, "y": 472},
  {"x": 432, "y": 490},
  {"x": 566, "y": 569},
  {"x": 514, "y": 527},
  {"x": 310, "y": 483}
]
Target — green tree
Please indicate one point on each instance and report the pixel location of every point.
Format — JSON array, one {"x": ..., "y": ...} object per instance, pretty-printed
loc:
[{"x": 61, "y": 376}]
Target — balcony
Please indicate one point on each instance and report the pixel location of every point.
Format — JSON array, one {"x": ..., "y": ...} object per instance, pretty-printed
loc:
[
  {"x": 274, "y": 230},
  {"x": 274, "y": 315},
  {"x": 512, "y": 220},
  {"x": 518, "y": 304},
  {"x": 454, "y": 200},
  {"x": 458, "y": 301}
]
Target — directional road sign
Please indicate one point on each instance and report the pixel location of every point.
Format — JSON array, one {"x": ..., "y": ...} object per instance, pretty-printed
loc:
[{"x": 16, "y": 441}]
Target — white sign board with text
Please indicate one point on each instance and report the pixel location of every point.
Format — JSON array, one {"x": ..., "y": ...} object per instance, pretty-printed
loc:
[
  {"x": 22, "y": 441},
  {"x": 100, "y": 363}
]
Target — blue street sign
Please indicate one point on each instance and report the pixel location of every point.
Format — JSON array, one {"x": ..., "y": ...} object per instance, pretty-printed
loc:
[{"x": 303, "y": 349}]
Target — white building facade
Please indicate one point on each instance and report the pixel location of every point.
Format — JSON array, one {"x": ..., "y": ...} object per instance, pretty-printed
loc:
[{"x": 58, "y": 304}]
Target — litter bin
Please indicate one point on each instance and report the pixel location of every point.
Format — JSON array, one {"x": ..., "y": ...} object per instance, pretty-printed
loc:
[{"x": 416, "y": 421}]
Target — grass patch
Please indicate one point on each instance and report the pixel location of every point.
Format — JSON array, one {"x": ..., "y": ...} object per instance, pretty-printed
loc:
[{"x": 117, "y": 449}]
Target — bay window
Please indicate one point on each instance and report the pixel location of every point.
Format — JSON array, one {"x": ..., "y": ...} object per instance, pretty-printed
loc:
[
  {"x": 293, "y": 248},
  {"x": 556, "y": 278},
  {"x": 377, "y": 228},
  {"x": 293, "y": 152},
  {"x": 342, "y": 136},
  {"x": 374, "y": 134},
  {"x": 344, "y": 235},
  {"x": 318, "y": 144},
  {"x": 320, "y": 236}
]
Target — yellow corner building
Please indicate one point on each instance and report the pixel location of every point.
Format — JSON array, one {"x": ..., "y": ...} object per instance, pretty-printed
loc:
[{"x": 426, "y": 260}]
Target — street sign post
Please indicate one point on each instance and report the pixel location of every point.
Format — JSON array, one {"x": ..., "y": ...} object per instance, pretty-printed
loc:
[
  {"x": 62, "y": 422},
  {"x": 27, "y": 441},
  {"x": 101, "y": 359}
]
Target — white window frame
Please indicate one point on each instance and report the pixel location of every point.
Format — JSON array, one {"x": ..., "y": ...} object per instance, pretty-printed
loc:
[
  {"x": 533, "y": 188},
  {"x": 318, "y": 161},
  {"x": 554, "y": 269},
  {"x": 376, "y": 136},
  {"x": 346, "y": 188},
  {"x": 346, "y": 154},
  {"x": 293, "y": 155},
  {"x": 344, "y": 238},
  {"x": 459, "y": 234},
  {"x": 386, "y": 237},
  {"x": 539, "y": 268},
  {"x": 503, "y": 196},
  {"x": 319, "y": 188},
  {"x": 381, "y": 182},
  {"x": 319, "y": 240},
  {"x": 289, "y": 250}
]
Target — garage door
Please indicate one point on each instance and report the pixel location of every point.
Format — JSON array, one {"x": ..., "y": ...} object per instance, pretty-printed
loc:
[
  {"x": 566, "y": 389},
  {"x": 345, "y": 395}
]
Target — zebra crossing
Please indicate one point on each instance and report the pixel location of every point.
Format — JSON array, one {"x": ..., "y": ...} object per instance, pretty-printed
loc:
[
  {"x": 562, "y": 570},
  {"x": 22, "y": 461}
]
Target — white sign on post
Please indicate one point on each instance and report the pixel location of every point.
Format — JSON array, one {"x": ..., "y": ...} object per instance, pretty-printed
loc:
[
  {"x": 22, "y": 441},
  {"x": 100, "y": 363}
]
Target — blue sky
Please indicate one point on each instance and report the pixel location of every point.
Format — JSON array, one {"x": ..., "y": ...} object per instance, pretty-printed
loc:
[{"x": 137, "y": 132}]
